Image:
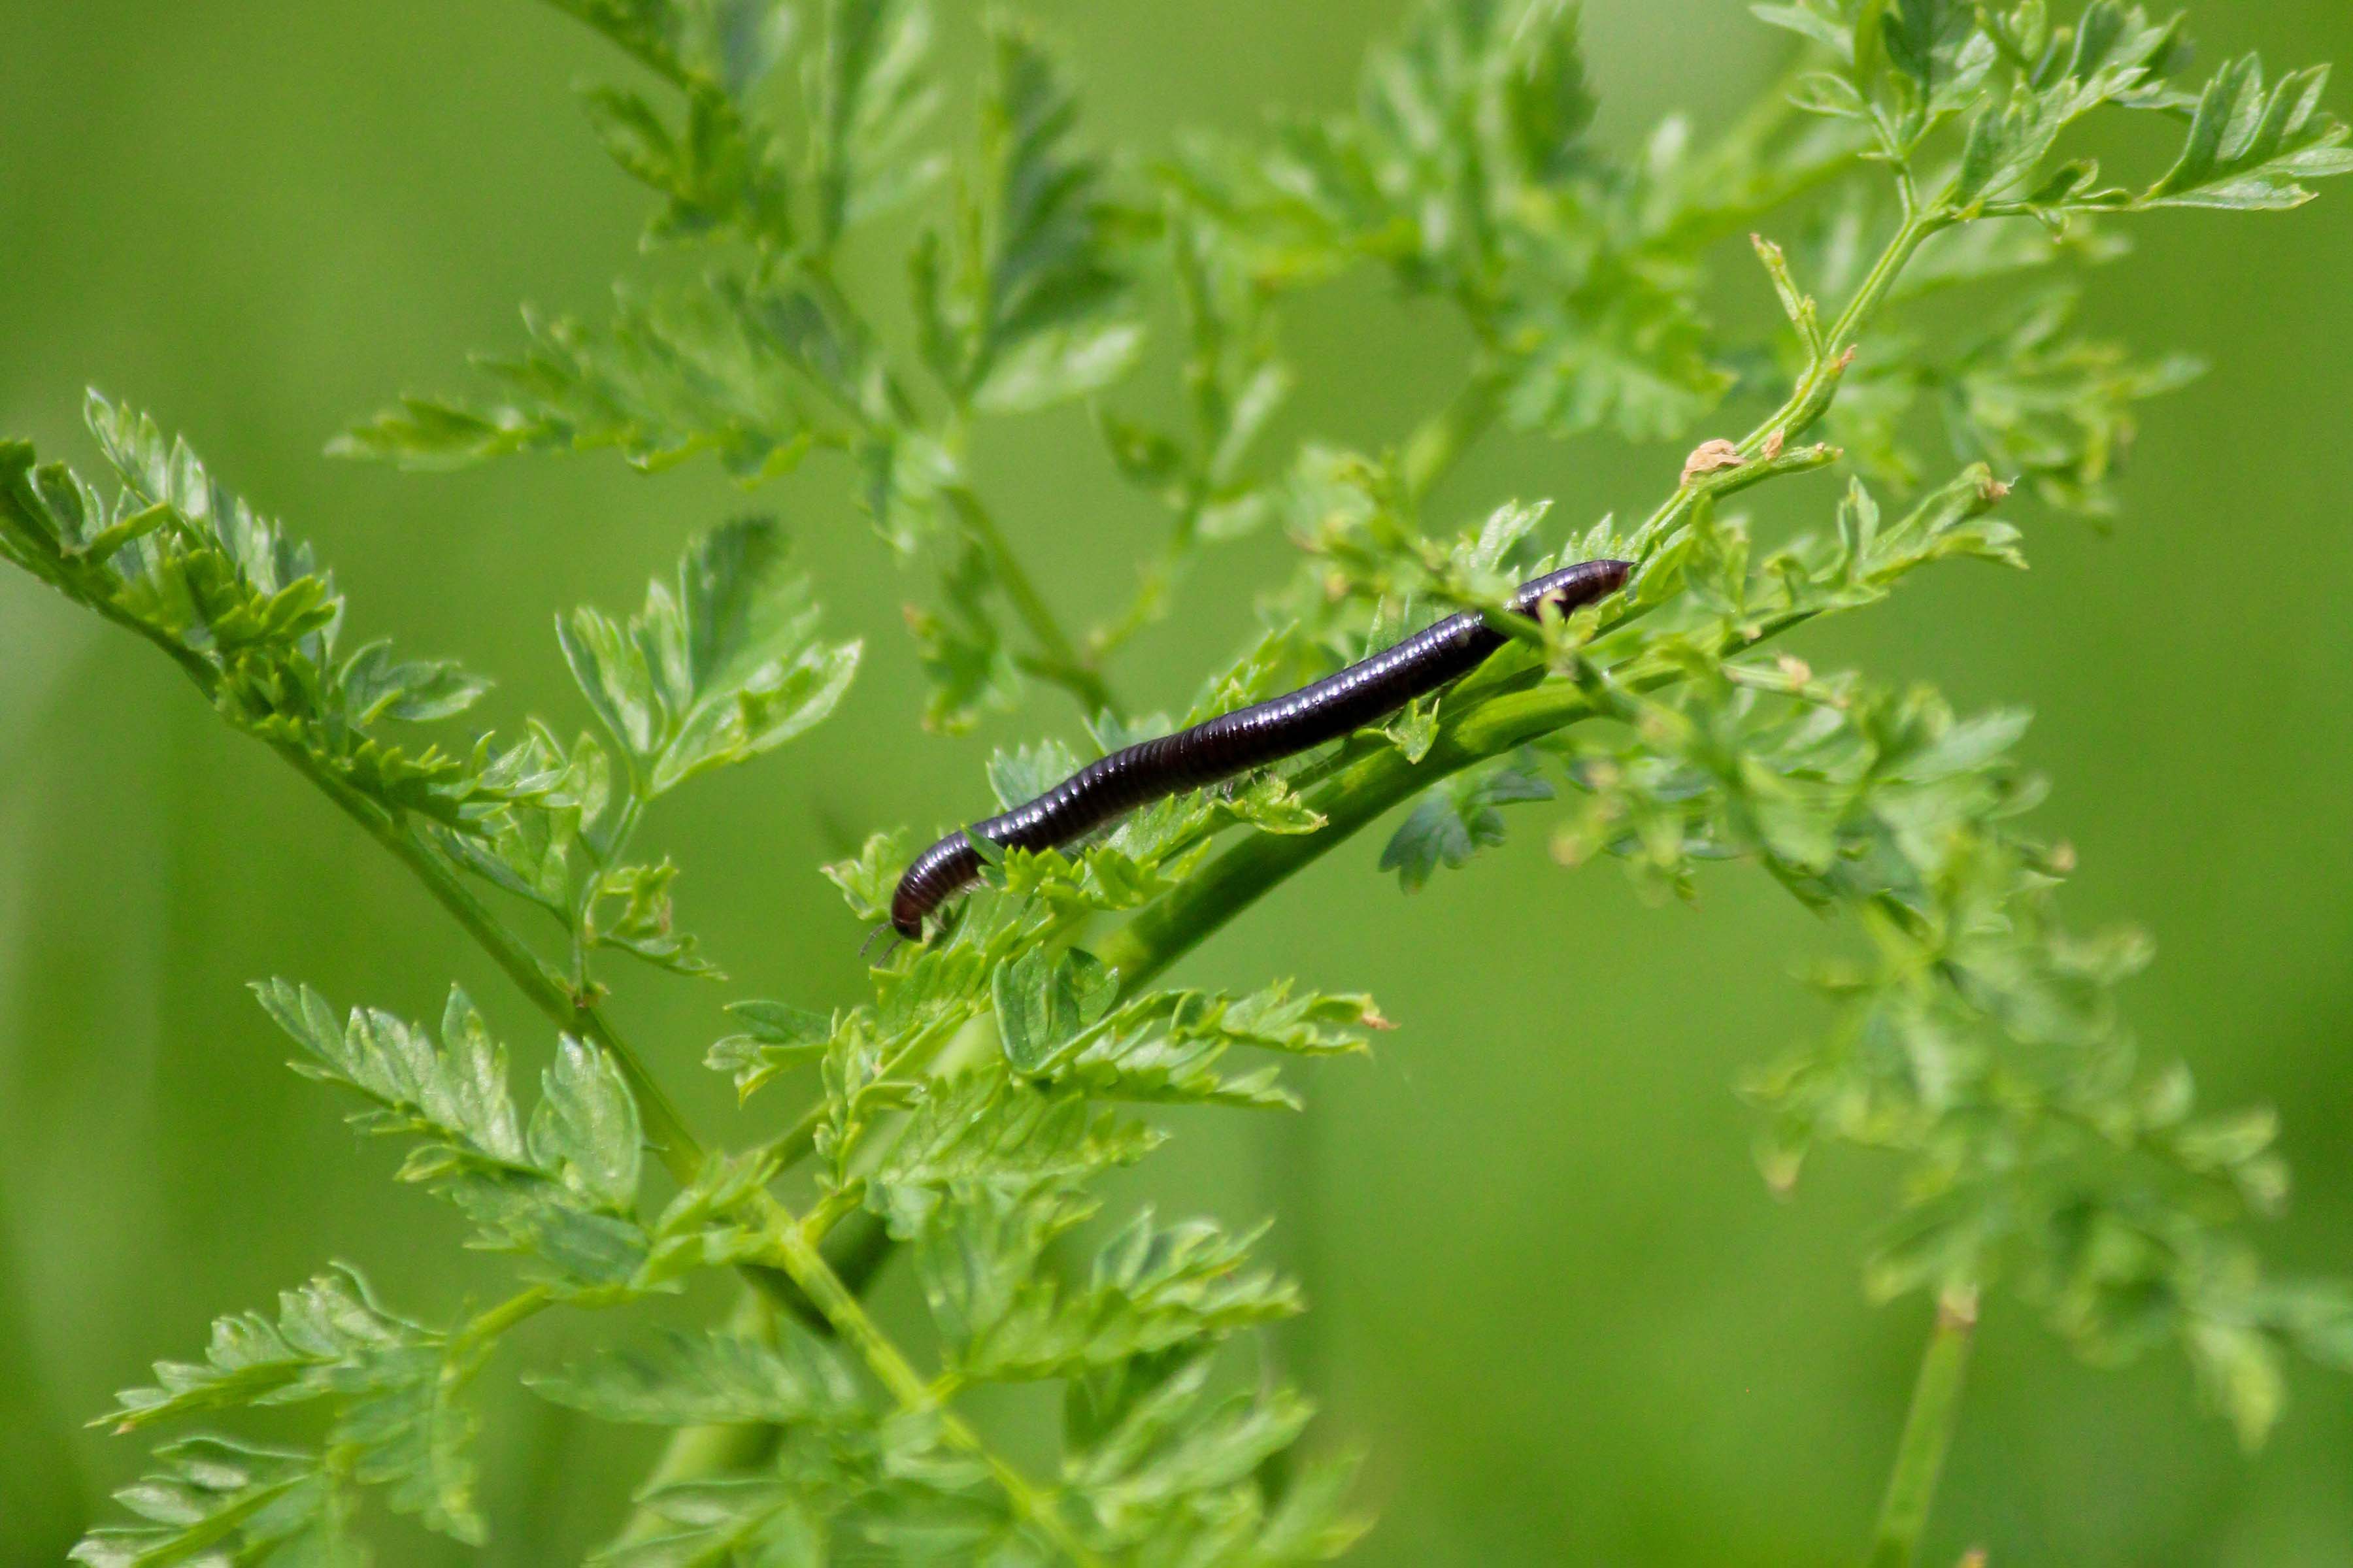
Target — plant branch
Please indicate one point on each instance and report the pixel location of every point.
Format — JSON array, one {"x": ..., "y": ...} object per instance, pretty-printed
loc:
[
  {"x": 516, "y": 1309},
  {"x": 667, "y": 1133},
  {"x": 798, "y": 1257},
  {"x": 1927, "y": 1431},
  {"x": 797, "y": 1254},
  {"x": 673, "y": 1143}
]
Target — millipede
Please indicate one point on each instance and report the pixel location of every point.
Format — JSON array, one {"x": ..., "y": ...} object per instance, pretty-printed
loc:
[{"x": 1236, "y": 743}]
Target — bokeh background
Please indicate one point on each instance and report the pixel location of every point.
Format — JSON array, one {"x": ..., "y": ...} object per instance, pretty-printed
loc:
[{"x": 1551, "y": 1295}]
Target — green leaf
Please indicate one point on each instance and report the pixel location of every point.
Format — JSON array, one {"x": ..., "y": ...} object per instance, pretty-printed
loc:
[
  {"x": 1151, "y": 1287},
  {"x": 1166, "y": 1439},
  {"x": 1021, "y": 775},
  {"x": 718, "y": 1220},
  {"x": 717, "y": 173},
  {"x": 534, "y": 847},
  {"x": 2239, "y": 1370},
  {"x": 1166, "y": 1046},
  {"x": 458, "y": 1091},
  {"x": 556, "y": 1193},
  {"x": 2057, "y": 411},
  {"x": 732, "y": 45},
  {"x": 1923, "y": 38},
  {"x": 2252, "y": 149},
  {"x": 220, "y": 1501},
  {"x": 399, "y": 1388},
  {"x": 872, "y": 97},
  {"x": 332, "y": 1322},
  {"x": 1829, "y": 23},
  {"x": 674, "y": 375},
  {"x": 1270, "y": 805},
  {"x": 1044, "y": 1000},
  {"x": 1035, "y": 314},
  {"x": 1621, "y": 354},
  {"x": 409, "y": 1420},
  {"x": 1314, "y": 1522},
  {"x": 697, "y": 1380},
  {"x": 417, "y": 692},
  {"x": 585, "y": 1131},
  {"x": 1551, "y": 106},
  {"x": 1145, "y": 457},
  {"x": 777, "y": 1037},
  {"x": 1414, "y": 729},
  {"x": 644, "y": 923},
  {"x": 1796, "y": 303},
  {"x": 984, "y": 1132},
  {"x": 1457, "y": 818},
  {"x": 868, "y": 881},
  {"x": 725, "y": 667},
  {"x": 249, "y": 616}
]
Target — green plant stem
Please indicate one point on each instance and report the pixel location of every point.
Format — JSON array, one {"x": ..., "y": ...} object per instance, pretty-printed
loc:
[
  {"x": 667, "y": 1133},
  {"x": 1058, "y": 659},
  {"x": 516, "y": 1309},
  {"x": 800, "y": 1258},
  {"x": 1818, "y": 388},
  {"x": 1927, "y": 1432},
  {"x": 673, "y": 1143}
]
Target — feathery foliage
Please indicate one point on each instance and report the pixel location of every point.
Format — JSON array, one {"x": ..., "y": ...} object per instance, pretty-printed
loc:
[{"x": 965, "y": 1109}]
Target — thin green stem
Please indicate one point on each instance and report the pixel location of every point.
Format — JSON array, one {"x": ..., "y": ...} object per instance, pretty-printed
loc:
[
  {"x": 673, "y": 1143},
  {"x": 516, "y": 1309},
  {"x": 1818, "y": 388},
  {"x": 800, "y": 1258},
  {"x": 1927, "y": 1432},
  {"x": 1058, "y": 659}
]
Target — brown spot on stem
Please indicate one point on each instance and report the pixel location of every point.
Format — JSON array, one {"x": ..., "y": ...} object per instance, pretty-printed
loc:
[{"x": 1712, "y": 457}]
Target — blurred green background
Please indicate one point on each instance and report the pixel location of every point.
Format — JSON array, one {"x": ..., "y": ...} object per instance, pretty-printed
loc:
[{"x": 1551, "y": 1295}]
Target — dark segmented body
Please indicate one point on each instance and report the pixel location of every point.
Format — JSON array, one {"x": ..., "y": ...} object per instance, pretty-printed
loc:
[{"x": 1238, "y": 741}]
